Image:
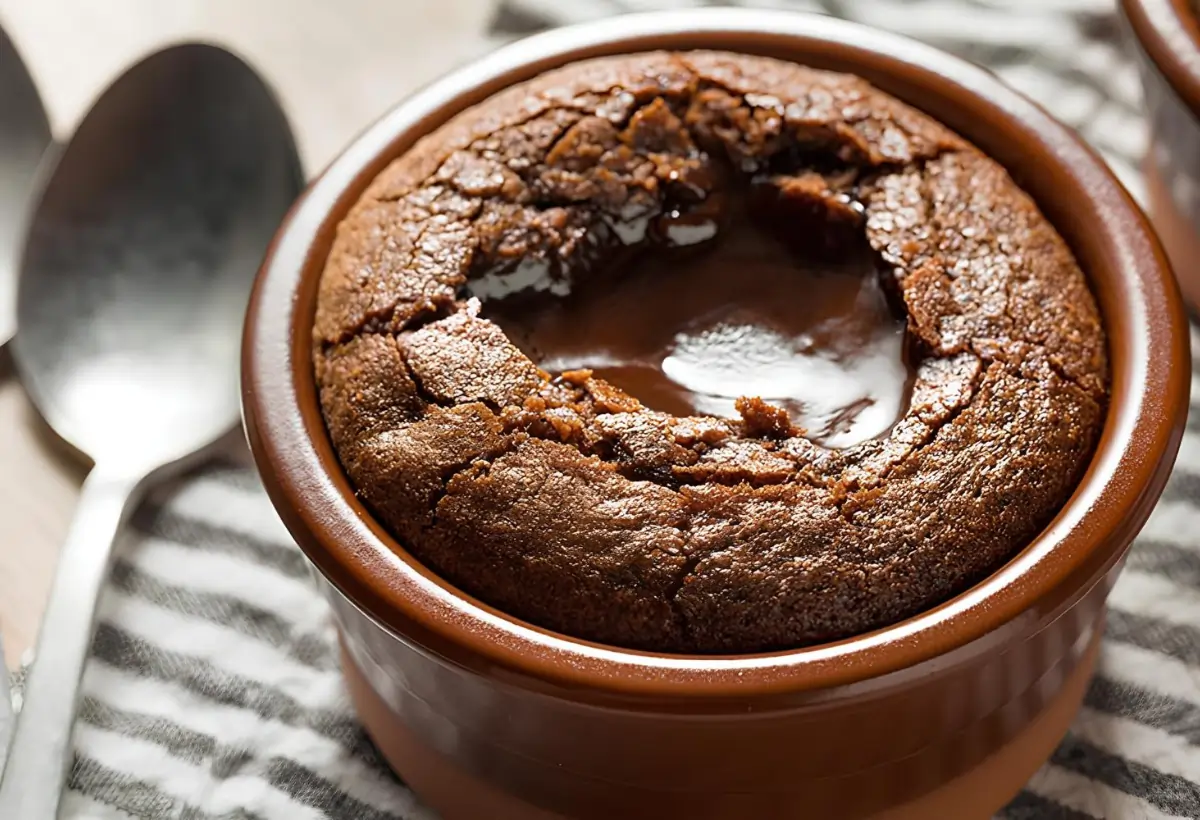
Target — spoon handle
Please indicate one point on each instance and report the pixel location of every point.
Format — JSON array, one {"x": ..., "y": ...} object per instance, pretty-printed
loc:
[{"x": 41, "y": 749}]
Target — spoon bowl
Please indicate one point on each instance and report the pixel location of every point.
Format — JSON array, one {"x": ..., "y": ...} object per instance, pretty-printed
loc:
[
  {"x": 141, "y": 253},
  {"x": 24, "y": 140},
  {"x": 134, "y": 282}
]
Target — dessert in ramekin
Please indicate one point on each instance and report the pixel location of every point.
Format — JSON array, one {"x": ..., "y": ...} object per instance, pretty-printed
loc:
[
  {"x": 944, "y": 712},
  {"x": 1166, "y": 37}
]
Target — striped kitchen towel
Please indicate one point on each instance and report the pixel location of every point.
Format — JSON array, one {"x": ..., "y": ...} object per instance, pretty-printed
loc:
[{"x": 213, "y": 690}]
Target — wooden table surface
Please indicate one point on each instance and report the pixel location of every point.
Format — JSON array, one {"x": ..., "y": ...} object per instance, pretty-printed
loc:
[{"x": 336, "y": 66}]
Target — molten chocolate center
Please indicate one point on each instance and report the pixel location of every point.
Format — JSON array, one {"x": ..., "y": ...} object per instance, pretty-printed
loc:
[{"x": 741, "y": 313}]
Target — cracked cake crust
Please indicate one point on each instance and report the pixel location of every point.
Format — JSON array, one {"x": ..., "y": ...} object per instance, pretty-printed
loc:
[{"x": 562, "y": 501}]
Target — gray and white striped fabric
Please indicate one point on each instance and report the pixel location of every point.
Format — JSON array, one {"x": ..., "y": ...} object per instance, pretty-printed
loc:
[{"x": 213, "y": 690}]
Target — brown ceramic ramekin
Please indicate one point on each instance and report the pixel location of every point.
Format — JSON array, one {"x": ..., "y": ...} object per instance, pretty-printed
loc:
[
  {"x": 1166, "y": 35},
  {"x": 944, "y": 715}
]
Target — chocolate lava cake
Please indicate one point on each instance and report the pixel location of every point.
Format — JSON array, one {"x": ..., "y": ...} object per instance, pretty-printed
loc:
[{"x": 653, "y": 488}]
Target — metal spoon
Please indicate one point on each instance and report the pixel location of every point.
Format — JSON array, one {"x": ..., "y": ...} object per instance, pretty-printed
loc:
[
  {"x": 132, "y": 292},
  {"x": 24, "y": 138}
]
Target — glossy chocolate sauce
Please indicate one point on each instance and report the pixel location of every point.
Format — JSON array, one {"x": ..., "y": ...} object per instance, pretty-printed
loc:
[{"x": 738, "y": 313}]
